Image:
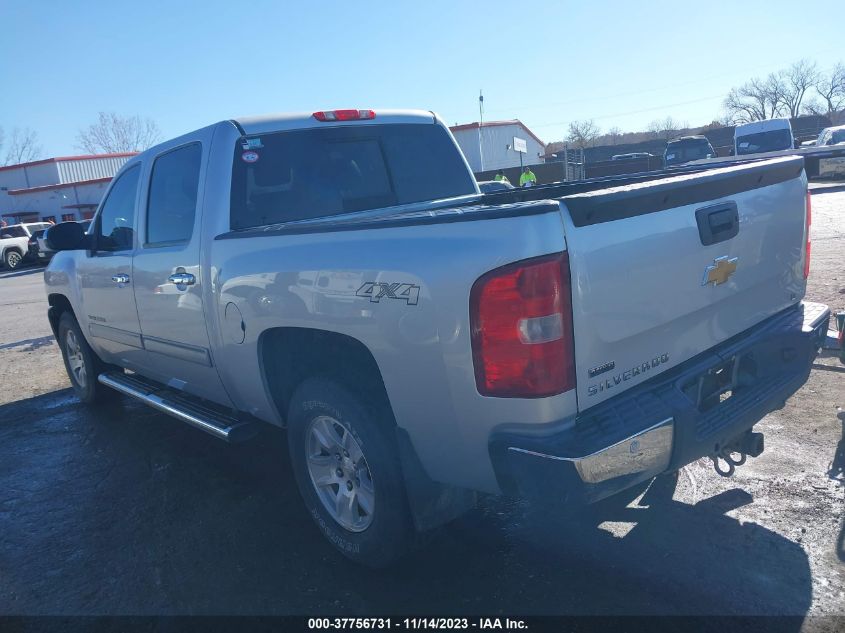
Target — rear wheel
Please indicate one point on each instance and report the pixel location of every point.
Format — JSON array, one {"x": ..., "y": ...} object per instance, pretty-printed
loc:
[
  {"x": 347, "y": 468},
  {"x": 12, "y": 259},
  {"x": 82, "y": 364}
]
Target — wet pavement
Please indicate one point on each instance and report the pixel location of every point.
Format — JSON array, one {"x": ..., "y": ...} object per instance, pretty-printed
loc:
[{"x": 122, "y": 510}]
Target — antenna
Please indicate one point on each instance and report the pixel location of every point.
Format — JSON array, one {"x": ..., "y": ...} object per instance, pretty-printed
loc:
[{"x": 480, "y": 126}]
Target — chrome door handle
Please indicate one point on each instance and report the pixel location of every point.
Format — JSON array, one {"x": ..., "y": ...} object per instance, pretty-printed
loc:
[
  {"x": 182, "y": 279},
  {"x": 120, "y": 278}
]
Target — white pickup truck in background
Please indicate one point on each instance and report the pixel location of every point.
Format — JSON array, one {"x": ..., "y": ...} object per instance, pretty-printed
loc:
[
  {"x": 14, "y": 242},
  {"x": 340, "y": 274}
]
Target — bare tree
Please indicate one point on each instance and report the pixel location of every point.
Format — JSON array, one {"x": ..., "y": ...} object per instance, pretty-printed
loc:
[
  {"x": 583, "y": 133},
  {"x": 831, "y": 88},
  {"x": 813, "y": 106},
  {"x": 664, "y": 129},
  {"x": 793, "y": 83},
  {"x": 613, "y": 135},
  {"x": 113, "y": 133},
  {"x": 755, "y": 100},
  {"x": 23, "y": 146}
]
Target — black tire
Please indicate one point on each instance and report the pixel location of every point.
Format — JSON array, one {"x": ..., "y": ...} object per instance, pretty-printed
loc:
[
  {"x": 89, "y": 390},
  {"x": 390, "y": 532},
  {"x": 12, "y": 259}
]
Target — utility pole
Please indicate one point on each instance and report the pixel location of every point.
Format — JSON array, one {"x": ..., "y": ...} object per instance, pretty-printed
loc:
[{"x": 480, "y": 126}]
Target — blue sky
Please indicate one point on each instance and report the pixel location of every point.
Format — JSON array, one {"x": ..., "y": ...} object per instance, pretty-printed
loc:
[{"x": 188, "y": 64}]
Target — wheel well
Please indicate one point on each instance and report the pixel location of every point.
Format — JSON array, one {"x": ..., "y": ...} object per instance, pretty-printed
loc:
[
  {"x": 58, "y": 304},
  {"x": 290, "y": 355},
  {"x": 16, "y": 249}
]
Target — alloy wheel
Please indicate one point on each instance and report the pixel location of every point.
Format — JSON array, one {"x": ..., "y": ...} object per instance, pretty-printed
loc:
[
  {"x": 339, "y": 473},
  {"x": 75, "y": 359}
]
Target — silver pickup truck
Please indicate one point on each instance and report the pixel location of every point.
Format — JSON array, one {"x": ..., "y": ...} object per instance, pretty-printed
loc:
[{"x": 339, "y": 274}]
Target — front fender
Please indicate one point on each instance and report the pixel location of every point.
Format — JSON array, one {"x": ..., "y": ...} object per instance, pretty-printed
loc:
[{"x": 60, "y": 280}]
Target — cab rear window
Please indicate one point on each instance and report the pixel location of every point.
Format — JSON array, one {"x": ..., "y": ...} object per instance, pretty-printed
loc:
[{"x": 320, "y": 172}]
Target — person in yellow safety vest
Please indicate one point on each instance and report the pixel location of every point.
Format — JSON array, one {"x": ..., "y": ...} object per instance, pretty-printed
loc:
[
  {"x": 527, "y": 178},
  {"x": 500, "y": 177}
]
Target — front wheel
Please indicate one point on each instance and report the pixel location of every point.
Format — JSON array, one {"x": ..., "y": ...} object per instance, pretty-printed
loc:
[
  {"x": 82, "y": 364},
  {"x": 12, "y": 259},
  {"x": 347, "y": 469}
]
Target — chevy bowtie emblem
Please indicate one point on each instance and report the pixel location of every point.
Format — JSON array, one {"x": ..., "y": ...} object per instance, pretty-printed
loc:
[{"x": 719, "y": 271}]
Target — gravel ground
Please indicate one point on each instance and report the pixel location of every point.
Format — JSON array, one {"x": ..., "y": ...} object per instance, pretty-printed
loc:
[{"x": 120, "y": 510}]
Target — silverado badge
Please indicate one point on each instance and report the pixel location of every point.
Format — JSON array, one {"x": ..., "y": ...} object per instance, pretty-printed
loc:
[{"x": 719, "y": 271}]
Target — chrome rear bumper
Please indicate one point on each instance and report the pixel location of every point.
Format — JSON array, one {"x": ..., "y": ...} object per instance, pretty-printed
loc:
[
  {"x": 668, "y": 421},
  {"x": 648, "y": 451}
]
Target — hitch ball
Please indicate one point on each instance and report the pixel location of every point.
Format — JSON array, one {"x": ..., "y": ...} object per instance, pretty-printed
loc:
[{"x": 752, "y": 444}]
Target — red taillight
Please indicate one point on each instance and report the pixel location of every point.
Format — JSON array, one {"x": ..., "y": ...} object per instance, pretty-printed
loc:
[
  {"x": 807, "y": 222},
  {"x": 521, "y": 319},
  {"x": 344, "y": 115}
]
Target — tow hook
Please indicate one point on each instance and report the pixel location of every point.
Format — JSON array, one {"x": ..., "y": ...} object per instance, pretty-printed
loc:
[{"x": 748, "y": 445}]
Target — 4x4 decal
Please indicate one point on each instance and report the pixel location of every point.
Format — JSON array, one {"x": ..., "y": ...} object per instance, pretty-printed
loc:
[{"x": 376, "y": 291}]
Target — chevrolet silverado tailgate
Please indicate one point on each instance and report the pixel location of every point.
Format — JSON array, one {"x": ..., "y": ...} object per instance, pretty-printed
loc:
[{"x": 664, "y": 270}]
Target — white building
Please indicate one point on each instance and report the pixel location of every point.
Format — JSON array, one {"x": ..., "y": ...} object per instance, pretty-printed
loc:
[
  {"x": 56, "y": 189},
  {"x": 497, "y": 146}
]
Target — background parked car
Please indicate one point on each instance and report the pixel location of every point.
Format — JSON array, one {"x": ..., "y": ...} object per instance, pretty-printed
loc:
[
  {"x": 759, "y": 137},
  {"x": 687, "y": 148},
  {"x": 631, "y": 156},
  {"x": 831, "y": 136},
  {"x": 33, "y": 243},
  {"x": 490, "y": 186},
  {"x": 14, "y": 242},
  {"x": 831, "y": 167}
]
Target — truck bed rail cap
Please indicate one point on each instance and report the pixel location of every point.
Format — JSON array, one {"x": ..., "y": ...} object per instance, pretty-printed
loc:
[
  {"x": 362, "y": 222},
  {"x": 617, "y": 203}
]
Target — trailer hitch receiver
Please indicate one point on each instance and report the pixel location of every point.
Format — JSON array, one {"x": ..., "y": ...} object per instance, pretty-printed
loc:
[{"x": 749, "y": 444}]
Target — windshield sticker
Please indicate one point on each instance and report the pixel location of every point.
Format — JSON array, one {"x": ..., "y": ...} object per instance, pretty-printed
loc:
[
  {"x": 744, "y": 144},
  {"x": 249, "y": 157},
  {"x": 670, "y": 156},
  {"x": 252, "y": 143}
]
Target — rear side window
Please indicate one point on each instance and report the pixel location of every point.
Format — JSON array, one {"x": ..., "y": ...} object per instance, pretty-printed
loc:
[
  {"x": 12, "y": 231},
  {"x": 303, "y": 174},
  {"x": 172, "y": 203},
  {"x": 117, "y": 217}
]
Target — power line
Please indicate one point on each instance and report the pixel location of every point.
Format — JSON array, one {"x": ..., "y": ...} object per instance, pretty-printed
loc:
[{"x": 621, "y": 114}]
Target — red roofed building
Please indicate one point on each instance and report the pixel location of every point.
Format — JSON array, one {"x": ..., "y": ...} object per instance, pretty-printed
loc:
[
  {"x": 56, "y": 189},
  {"x": 492, "y": 146}
]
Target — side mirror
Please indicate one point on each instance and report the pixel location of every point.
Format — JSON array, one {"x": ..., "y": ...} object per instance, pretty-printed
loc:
[{"x": 67, "y": 236}]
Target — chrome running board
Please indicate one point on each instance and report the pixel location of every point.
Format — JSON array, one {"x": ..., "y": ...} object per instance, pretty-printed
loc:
[{"x": 193, "y": 411}]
